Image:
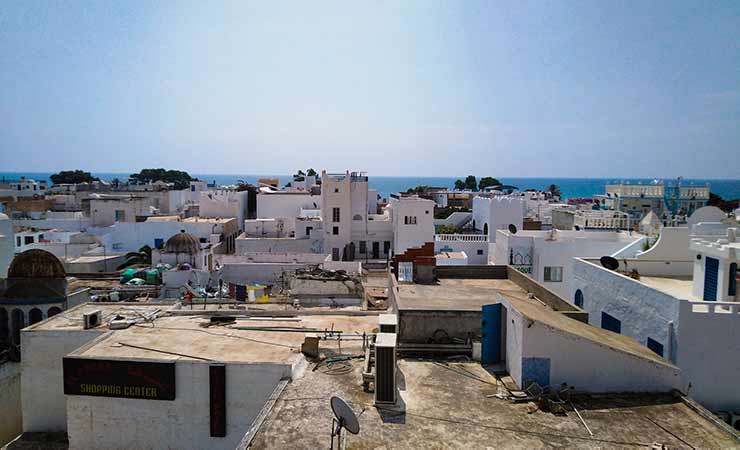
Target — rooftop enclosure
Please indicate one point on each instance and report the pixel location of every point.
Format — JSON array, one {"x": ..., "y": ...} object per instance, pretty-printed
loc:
[
  {"x": 258, "y": 352},
  {"x": 453, "y": 304},
  {"x": 661, "y": 312}
]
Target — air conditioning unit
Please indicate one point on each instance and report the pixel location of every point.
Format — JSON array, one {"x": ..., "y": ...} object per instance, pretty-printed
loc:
[
  {"x": 385, "y": 369},
  {"x": 388, "y": 323},
  {"x": 92, "y": 319}
]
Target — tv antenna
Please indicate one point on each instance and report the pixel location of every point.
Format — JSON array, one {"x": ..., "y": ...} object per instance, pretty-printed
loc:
[{"x": 344, "y": 418}]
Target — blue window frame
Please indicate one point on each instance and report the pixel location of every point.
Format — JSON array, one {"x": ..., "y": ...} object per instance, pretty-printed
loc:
[
  {"x": 578, "y": 299},
  {"x": 732, "y": 289},
  {"x": 655, "y": 346},
  {"x": 611, "y": 323}
]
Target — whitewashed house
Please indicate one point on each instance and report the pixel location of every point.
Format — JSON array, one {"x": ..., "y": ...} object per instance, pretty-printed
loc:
[
  {"x": 684, "y": 308},
  {"x": 547, "y": 256},
  {"x": 491, "y": 213}
]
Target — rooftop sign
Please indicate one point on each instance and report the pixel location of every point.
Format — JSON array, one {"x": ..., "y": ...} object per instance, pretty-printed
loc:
[{"x": 115, "y": 378}]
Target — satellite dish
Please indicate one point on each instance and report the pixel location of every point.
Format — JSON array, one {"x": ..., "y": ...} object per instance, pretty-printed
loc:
[
  {"x": 609, "y": 262},
  {"x": 344, "y": 417},
  {"x": 512, "y": 228},
  {"x": 577, "y": 228}
]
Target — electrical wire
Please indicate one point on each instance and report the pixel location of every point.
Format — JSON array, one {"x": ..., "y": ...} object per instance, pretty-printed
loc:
[{"x": 216, "y": 334}]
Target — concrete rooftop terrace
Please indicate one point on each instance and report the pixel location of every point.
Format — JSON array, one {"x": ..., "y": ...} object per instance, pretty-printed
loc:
[
  {"x": 443, "y": 409},
  {"x": 71, "y": 319},
  {"x": 453, "y": 294},
  {"x": 679, "y": 287},
  {"x": 183, "y": 337}
]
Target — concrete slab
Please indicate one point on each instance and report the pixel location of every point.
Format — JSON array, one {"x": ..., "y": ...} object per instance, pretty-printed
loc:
[
  {"x": 450, "y": 294},
  {"x": 443, "y": 409},
  {"x": 183, "y": 337},
  {"x": 679, "y": 287}
]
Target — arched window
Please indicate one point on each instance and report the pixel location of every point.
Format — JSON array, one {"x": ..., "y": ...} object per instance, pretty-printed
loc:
[
  {"x": 53, "y": 311},
  {"x": 732, "y": 290},
  {"x": 357, "y": 217},
  {"x": 578, "y": 300},
  {"x": 485, "y": 228},
  {"x": 18, "y": 322},
  {"x": 35, "y": 316},
  {"x": 4, "y": 334}
]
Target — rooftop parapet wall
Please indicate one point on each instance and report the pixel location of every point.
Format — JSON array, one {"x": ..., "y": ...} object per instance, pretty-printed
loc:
[{"x": 546, "y": 296}]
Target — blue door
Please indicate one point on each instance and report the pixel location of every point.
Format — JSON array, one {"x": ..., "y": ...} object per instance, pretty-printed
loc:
[
  {"x": 491, "y": 332},
  {"x": 711, "y": 269}
]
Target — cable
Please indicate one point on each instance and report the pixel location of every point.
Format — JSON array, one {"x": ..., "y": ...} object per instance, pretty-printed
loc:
[
  {"x": 216, "y": 334},
  {"x": 165, "y": 352}
]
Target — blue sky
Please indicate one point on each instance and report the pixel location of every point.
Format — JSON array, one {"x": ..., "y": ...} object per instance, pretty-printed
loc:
[{"x": 577, "y": 89}]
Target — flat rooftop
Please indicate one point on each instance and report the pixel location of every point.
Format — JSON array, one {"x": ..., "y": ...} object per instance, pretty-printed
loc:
[
  {"x": 452, "y": 294},
  {"x": 444, "y": 409},
  {"x": 679, "y": 287},
  {"x": 71, "y": 319},
  {"x": 183, "y": 337},
  {"x": 209, "y": 219}
]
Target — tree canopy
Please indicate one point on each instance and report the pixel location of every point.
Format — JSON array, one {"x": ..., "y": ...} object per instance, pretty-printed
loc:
[
  {"x": 554, "y": 190},
  {"x": 180, "y": 178},
  {"x": 72, "y": 177},
  {"x": 470, "y": 184},
  {"x": 724, "y": 205},
  {"x": 488, "y": 181}
]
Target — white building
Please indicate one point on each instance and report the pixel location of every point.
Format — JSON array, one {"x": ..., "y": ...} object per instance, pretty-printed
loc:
[
  {"x": 684, "y": 309},
  {"x": 224, "y": 203},
  {"x": 108, "y": 209},
  {"x": 639, "y": 199},
  {"x": 547, "y": 256},
  {"x": 350, "y": 232},
  {"x": 129, "y": 237},
  {"x": 413, "y": 222},
  {"x": 7, "y": 244},
  {"x": 475, "y": 246},
  {"x": 25, "y": 187},
  {"x": 491, "y": 213}
]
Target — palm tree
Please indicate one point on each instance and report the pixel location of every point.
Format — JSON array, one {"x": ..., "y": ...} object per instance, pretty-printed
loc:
[{"x": 143, "y": 256}]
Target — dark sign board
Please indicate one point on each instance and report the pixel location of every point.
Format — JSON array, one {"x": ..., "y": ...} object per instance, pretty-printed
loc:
[
  {"x": 114, "y": 378},
  {"x": 217, "y": 379}
]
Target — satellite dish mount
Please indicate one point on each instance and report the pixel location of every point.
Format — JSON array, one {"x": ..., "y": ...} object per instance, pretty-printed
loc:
[{"x": 344, "y": 418}]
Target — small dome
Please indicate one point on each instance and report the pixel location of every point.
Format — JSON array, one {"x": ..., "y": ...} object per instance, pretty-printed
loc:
[
  {"x": 182, "y": 242},
  {"x": 36, "y": 264}
]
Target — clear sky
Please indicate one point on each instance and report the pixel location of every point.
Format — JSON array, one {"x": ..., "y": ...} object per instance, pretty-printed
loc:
[{"x": 567, "y": 89}]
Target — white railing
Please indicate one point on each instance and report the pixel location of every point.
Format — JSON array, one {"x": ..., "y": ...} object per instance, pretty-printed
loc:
[
  {"x": 461, "y": 238},
  {"x": 716, "y": 307}
]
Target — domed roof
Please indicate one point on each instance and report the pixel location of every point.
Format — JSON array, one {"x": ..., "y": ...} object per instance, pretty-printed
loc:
[
  {"x": 182, "y": 242},
  {"x": 36, "y": 264}
]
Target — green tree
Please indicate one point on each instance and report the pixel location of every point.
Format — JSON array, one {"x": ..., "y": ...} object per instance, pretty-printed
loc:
[
  {"x": 418, "y": 189},
  {"x": 488, "y": 181},
  {"x": 179, "y": 178},
  {"x": 724, "y": 205},
  {"x": 299, "y": 176},
  {"x": 72, "y": 177},
  {"x": 311, "y": 173},
  {"x": 554, "y": 190},
  {"x": 446, "y": 229},
  {"x": 143, "y": 257},
  {"x": 470, "y": 183},
  {"x": 459, "y": 185}
]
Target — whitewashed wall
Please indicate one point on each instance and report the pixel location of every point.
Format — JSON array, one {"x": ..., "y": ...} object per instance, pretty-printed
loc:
[
  {"x": 184, "y": 423},
  {"x": 42, "y": 387},
  {"x": 10, "y": 399},
  {"x": 709, "y": 354},
  {"x": 645, "y": 312}
]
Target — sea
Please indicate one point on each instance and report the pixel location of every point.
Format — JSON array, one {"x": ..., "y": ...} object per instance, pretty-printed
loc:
[{"x": 569, "y": 187}]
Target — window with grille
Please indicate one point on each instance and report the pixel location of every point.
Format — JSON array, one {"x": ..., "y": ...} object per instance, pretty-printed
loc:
[{"x": 554, "y": 273}]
